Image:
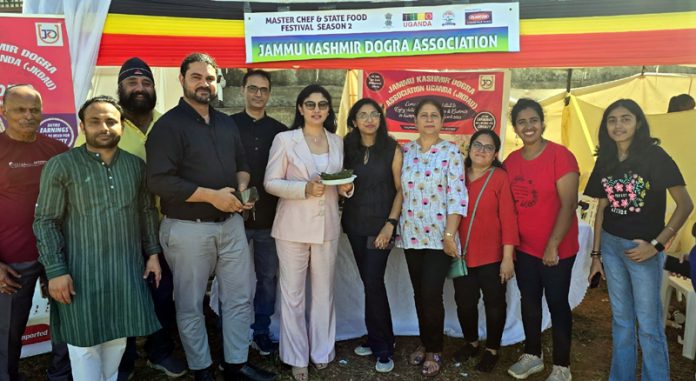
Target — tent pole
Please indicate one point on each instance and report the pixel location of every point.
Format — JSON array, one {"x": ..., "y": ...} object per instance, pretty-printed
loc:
[{"x": 569, "y": 77}]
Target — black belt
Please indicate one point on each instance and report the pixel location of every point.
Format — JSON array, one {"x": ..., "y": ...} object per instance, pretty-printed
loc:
[{"x": 222, "y": 218}]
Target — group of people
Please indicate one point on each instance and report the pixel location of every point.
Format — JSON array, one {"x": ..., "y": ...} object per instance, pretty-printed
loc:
[{"x": 126, "y": 249}]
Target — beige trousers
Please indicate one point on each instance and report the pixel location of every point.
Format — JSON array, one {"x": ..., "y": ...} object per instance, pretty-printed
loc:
[{"x": 305, "y": 337}]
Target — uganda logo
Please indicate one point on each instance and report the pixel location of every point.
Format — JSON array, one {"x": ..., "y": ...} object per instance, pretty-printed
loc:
[{"x": 417, "y": 19}]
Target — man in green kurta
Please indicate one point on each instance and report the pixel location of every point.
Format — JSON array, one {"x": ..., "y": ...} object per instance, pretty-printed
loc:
[{"x": 94, "y": 220}]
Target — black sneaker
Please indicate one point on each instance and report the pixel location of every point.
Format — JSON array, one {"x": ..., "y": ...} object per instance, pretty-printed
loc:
[
  {"x": 203, "y": 375},
  {"x": 468, "y": 351},
  {"x": 264, "y": 345},
  {"x": 487, "y": 362},
  {"x": 171, "y": 366}
]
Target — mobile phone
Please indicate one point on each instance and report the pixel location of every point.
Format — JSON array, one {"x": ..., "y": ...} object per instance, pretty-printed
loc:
[
  {"x": 672, "y": 265},
  {"x": 594, "y": 282},
  {"x": 151, "y": 280},
  {"x": 371, "y": 243}
]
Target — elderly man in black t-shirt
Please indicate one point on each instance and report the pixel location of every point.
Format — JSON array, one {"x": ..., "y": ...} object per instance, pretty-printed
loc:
[{"x": 196, "y": 162}]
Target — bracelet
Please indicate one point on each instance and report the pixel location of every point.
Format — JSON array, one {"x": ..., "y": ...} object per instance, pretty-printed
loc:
[
  {"x": 392, "y": 221},
  {"x": 596, "y": 253}
]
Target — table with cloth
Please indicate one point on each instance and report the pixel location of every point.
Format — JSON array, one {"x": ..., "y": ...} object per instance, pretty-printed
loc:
[{"x": 350, "y": 298}]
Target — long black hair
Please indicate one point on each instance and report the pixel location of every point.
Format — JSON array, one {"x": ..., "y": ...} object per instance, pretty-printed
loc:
[
  {"x": 352, "y": 143},
  {"x": 329, "y": 123},
  {"x": 607, "y": 151},
  {"x": 496, "y": 143}
]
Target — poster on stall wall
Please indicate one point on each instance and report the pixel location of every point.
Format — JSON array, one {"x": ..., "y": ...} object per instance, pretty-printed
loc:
[
  {"x": 471, "y": 100},
  {"x": 34, "y": 50}
]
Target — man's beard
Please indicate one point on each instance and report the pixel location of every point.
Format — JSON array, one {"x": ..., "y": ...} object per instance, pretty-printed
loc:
[
  {"x": 135, "y": 105},
  {"x": 94, "y": 143},
  {"x": 202, "y": 99}
]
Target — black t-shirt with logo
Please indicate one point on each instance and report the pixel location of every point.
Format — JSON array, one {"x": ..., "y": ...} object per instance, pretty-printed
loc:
[{"x": 636, "y": 190}]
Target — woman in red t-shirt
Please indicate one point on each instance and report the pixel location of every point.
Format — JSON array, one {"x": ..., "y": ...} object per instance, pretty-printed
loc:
[
  {"x": 544, "y": 180},
  {"x": 492, "y": 233}
]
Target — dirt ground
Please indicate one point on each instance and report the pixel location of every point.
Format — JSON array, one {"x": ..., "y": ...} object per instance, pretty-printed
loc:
[{"x": 591, "y": 353}]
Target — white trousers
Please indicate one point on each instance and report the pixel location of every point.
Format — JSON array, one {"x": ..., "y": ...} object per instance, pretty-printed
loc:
[
  {"x": 307, "y": 337},
  {"x": 97, "y": 363}
]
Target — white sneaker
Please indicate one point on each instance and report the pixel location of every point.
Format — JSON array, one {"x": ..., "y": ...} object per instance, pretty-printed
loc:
[
  {"x": 384, "y": 367},
  {"x": 560, "y": 373},
  {"x": 526, "y": 366},
  {"x": 363, "y": 350}
]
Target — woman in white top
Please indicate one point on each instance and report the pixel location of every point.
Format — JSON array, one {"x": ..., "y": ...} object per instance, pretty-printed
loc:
[{"x": 306, "y": 229}]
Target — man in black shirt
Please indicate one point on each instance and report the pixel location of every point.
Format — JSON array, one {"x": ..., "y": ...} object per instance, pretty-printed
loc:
[
  {"x": 195, "y": 163},
  {"x": 257, "y": 131}
]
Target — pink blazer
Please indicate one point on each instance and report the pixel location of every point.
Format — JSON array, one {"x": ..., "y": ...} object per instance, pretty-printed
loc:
[{"x": 290, "y": 167}]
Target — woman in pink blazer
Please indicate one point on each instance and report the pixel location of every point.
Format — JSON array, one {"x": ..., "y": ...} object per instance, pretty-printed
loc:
[{"x": 306, "y": 229}]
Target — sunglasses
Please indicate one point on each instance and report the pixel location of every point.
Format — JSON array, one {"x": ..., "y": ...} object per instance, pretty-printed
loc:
[{"x": 323, "y": 105}]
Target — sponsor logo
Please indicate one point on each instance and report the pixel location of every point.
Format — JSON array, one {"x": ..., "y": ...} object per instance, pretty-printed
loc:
[
  {"x": 417, "y": 19},
  {"x": 486, "y": 82},
  {"x": 374, "y": 81},
  {"x": 480, "y": 17},
  {"x": 388, "y": 21},
  {"x": 448, "y": 19},
  {"x": 484, "y": 120},
  {"x": 48, "y": 34}
]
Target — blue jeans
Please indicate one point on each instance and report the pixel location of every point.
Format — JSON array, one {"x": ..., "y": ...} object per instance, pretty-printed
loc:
[
  {"x": 634, "y": 292},
  {"x": 266, "y": 265}
]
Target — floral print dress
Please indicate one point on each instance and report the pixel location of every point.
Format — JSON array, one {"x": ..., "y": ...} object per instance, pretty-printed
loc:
[{"x": 433, "y": 186}]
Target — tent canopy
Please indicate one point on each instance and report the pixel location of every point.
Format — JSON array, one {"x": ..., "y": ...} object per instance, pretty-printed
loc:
[{"x": 585, "y": 33}]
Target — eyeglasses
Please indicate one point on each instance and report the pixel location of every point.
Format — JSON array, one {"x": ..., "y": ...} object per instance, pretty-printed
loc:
[
  {"x": 488, "y": 148},
  {"x": 366, "y": 116},
  {"x": 255, "y": 89},
  {"x": 323, "y": 105}
]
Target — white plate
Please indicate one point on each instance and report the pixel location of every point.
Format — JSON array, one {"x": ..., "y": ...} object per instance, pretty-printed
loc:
[{"x": 347, "y": 180}]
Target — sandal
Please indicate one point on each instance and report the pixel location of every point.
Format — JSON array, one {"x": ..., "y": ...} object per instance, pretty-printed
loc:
[
  {"x": 418, "y": 356},
  {"x": 431, "y": 365},
  {"x": 321, "y": 365},
  {"x": 300, "y": 373}
]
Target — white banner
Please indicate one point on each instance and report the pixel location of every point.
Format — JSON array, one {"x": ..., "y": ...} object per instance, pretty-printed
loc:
[{"x": 406, "y": 31}]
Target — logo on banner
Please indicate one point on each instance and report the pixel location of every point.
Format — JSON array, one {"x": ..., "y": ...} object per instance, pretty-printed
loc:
[
  {"x": 388, "y": 20},
  {"x": 417, "y": 19},
  {"x": 481, "y": 17},
  {"x": 484, "y": 120},
  {"x": 48, "y": 34},
  {"x": 486, "y": 82},
  {"x": 374, "y": 82},
  {"x": 448, "y": 19}
]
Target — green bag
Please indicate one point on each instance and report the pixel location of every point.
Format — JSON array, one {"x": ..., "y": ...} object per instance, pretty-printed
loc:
[{"x": 458, "y": 265}]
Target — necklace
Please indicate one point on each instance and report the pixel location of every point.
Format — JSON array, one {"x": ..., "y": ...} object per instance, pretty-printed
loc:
[{"x": 314, "y": 138}]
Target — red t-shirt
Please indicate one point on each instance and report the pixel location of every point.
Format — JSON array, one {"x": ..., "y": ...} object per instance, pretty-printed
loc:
[
  {"x": 533, "y": 185},
  {"x": 20, "y": 170},
  {"x": 495, "y": 222}
]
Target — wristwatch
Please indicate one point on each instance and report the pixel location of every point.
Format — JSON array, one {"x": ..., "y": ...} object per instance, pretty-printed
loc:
[
  {"x": 393, "y": 221},
  {"x": 658, "y": 246}
]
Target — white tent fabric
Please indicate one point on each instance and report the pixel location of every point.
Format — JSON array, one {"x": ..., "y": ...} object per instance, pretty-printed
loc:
[
  {"x": 350, "y": 299},
  {"x": 84, "y": 21}
]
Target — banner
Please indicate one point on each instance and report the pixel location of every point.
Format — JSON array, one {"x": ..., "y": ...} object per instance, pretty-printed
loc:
[
  {"x": 471, "y": 100},
  {"x": 384, "y": 32},
  {"x": 34, "y": 50}
]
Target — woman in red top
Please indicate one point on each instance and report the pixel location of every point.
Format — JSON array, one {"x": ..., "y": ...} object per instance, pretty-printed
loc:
[
  {"x": 489, "y": 251},
  {"x": 544, "y": 181}
]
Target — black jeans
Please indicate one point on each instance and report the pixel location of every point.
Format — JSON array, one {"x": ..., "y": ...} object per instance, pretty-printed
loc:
[
  {"x": 159, "y": 345},
  {"x": 534, "y": 280},
  {"x": 428, "y": 269},
  {"x": 467, "y": 292},
  {"x": 14, "y": 314},
  {"x": 372, "y": 263}
]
